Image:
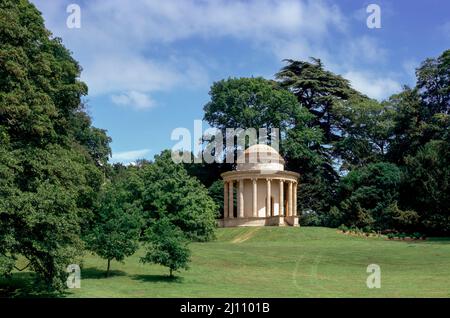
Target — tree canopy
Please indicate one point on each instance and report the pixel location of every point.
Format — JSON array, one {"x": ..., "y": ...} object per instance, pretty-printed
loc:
[
  {"x": 166, "y": 245},
  {"x": 341, "y": 141},
  {"x": 50, "y": 154},
  {"x": 378, "y": 165},
  {"x": 116, "y": 229},
  {"x": 169, "y": 192}
]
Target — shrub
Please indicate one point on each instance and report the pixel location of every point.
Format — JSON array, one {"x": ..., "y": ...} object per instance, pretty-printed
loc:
[{"x": 343, "y": 228}]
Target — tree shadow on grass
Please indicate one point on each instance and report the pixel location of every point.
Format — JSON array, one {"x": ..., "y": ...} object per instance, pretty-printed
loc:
[
  {"x": 158, "y": 278},
  {"x": 23, "y": 285},
  {"x": 95, "y": 273}
]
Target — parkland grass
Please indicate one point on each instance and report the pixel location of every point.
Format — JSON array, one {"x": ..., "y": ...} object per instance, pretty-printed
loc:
[{"x": 272, "y": 262}]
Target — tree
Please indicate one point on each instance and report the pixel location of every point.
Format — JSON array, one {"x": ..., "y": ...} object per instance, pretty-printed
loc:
[
  {"x": 260, "y": 103},
  {"x": 254, "y": 103},
  {"x": 319, "y": 91},
  {"x": 166, "y": 245},
  {"x": 324, "y": 95},
  {"x": 169, "y": 192},
  {"x": 422, "y": 112},
  {"x": 116, "y": 230},
  {"x": 433, "y": 83},
  {"x": 427, "y": 186},
  {"x": 93, "y": 139},
  {"x": 366, "y": 128},
  {"x": 216, "y": 193},
  {"x": 50, "y": 154},
  {"x": 368, "y": 198},
  {"x": 420, "y": 140},
  {"x": 408, "y": 124},
  {"x": 250, "y": 103}
]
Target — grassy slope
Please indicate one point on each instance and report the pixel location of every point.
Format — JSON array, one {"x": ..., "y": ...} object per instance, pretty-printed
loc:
[{"x": 281, "y": 262}]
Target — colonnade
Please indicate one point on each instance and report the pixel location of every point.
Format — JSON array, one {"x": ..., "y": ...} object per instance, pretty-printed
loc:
[{"x": 228, "y": 195}]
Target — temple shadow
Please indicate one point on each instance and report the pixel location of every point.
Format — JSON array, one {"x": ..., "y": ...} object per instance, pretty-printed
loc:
[
  {"x": 158, "y": 278},
  {"x": 95, "y": 273}
]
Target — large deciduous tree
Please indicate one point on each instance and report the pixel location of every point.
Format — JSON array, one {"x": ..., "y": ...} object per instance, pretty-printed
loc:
[
  {"x": 50, "y": 153},
  {"x": 251, "y": 103}
]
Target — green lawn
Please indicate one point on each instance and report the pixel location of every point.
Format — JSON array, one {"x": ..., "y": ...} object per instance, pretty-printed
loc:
[{"x": 280, "y": 262}]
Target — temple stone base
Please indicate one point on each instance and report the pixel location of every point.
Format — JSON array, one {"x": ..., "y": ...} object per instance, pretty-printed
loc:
[
  {"x": 263, "y": 221},
  {"x": 291, "y": 220}
]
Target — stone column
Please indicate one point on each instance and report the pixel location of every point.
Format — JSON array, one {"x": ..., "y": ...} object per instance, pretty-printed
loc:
[
  {"x": 281, "y": 199},
  {"x": 225, "y": 199},
  {"x": 290, "y": 212},
  {"x": 241, "y": 199},
  {"x": 255, "y": 198},
  {"x": 230, "y": 200},
  {"x": 295, "y": 199},
  {"x": 268, "y": 199}
]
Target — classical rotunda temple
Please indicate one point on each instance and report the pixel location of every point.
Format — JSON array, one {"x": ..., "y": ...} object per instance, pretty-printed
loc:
[{"x": 265, "y": 193}]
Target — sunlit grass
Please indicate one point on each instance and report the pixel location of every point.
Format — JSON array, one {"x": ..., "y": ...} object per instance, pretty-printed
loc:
[{"x": 279, "y": 262}]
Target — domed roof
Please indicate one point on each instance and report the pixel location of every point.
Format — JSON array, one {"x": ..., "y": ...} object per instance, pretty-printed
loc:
[
  {"x": 260, "y": 157},
  {"x": 260, "y": 148}
]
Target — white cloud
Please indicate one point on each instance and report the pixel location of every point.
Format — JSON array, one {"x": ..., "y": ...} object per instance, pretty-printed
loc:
[
  {"x": 134, "y": 99},
  {"x": 127, "y": 48},
  {"x": 115, "y": 42},
  {"x": 373, "y": 86},
  {"x": 117, "y": 72},
  {"x": 366, "y": 48},
  {"x": 168, "y": 21},
  {"x": 129, "y": 156}
]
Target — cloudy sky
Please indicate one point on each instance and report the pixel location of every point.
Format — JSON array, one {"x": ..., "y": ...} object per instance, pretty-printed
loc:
[{"x": 149, "y": 64}]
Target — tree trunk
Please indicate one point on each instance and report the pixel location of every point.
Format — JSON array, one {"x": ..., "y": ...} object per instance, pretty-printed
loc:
[
  {"x": 107, "y": 269},
  {"x": 171, "y": 272}
]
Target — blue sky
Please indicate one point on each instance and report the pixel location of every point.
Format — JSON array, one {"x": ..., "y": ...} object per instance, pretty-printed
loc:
[{"x": 149, "y": 64}]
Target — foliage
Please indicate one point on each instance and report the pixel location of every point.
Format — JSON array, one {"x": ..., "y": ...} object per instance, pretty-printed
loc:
[
  {"x": 363, "y": 163},
  {"x": 433, "y": 83},
  {"x": 216, "y": 193},
  {"x": 325, "y": 95},
  {"x": 169, "y": 192},
  {"x": 366, "y": 127},
  {"x": 260, "y": 103},
  {"x": 420, "y": 144},
  {"x": 116, "y": 230},
  {"x": 427, "y": 188},
  {"x": 318, "y": 90},
  {"x": 206, "y": 173},
  {"x": 50, "y": 154},
  {"x": 167, "y": 246},
  {"x": 410, "y": 129},
  {"x": 359, "y": 159},
  {"x": 403, "y": 236},
  {"x": 366, "y": 195},
  {"x": 310, "y": 218},
  {"x": 250, "y": 103}
]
